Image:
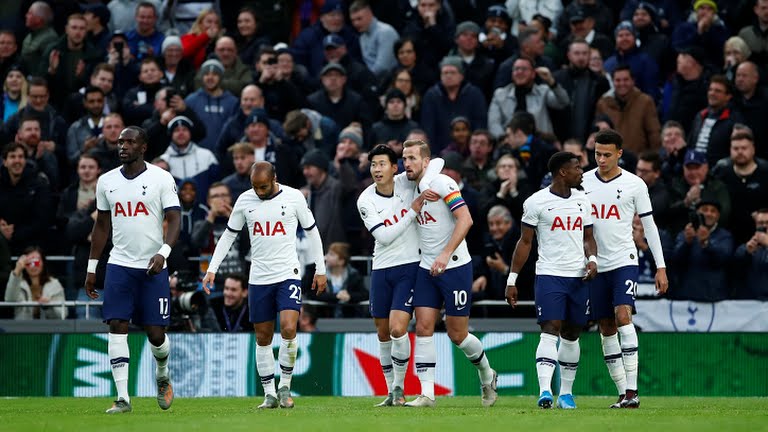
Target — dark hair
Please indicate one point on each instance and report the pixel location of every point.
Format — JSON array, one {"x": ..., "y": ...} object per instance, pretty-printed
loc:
[
  {"x": 92, "y": 89},
  {"x": 44, "y": 275},
  {"x": 266, "y": 49},
  {"x": 545, "y": 21},
  {"x": 90, "y": 155},
  {"x": 558, "y": 160},
  {"x": 528, "y": 59},
  {"x": 402, "y": 41},
  {"x": 523, "y": 121},
  {"x": 12, "y": 147},
  {"x": 722, "y": 80},
  {"x": 217, "y": 184},
  {"x": 358, "y": 5},
  {"x": 28, "y": 118},
  {"x": 250, "y": 10},
  {"x": 486, "y": 134},
  {"x": 36, "y": 81},
  {"x": 240, "y": 278},
  {"x": 623, "y": 67},
  {"x": 673, "y": 124},
  {"x": 383, "y": 149},
  {"x": 526, "y": 34},
  {"x": 103, "y": 67},
  {"x": 146, "y": 4},
  {"x": 294, "y": 121},
  {"x": 140, "y": 133},
  {"x": 148, "y": 60},
  {"x": 653, "y": 158},
  {"x": 609, "y": 136}
]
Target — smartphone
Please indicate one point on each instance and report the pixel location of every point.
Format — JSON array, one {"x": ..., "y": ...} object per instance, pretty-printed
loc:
[
  {"x": 696, "y": 219},
  {"x": 761, "y": 229},
  {"x": 119, "y": 45},
  {"x": 169, "y": 94},
  {"x": 491, "y": 249}
]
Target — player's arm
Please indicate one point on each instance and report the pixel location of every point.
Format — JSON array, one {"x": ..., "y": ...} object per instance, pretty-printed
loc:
[
  {"x": 434, "y": 168},
  {"x": 386, "y": 234},
  {"x": 519, "y": 257},
  {"x": 156, "y": 263},
  {"x": 227, "y": 239},
  {"x": 307, "y": 221},
  {"x": 644, "y": 209},
  {"x": 463, "y": 224},
  {"x": 590, "y": 250},
  {"x": 99, "y": 236}
]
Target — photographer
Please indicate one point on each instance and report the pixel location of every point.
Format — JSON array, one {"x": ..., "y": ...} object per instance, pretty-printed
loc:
[
  {"x": 231, "y": 309},
  {"x": 702, "y": 252},
  {"x": 686, "y": 191},
  {"x": 168, "y": 104},
  {"x": 189, "y": 308},
  {"x": 752, "y": 260}
]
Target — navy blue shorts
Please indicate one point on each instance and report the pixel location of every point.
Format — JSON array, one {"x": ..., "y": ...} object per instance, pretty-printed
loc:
[
  {"x": 266, "y": 301},
  {"x": 561, "y": 299},
  {"x": 132, "y": 295},
  {"x": 610, "y": 289},
  {"x": 392, "y": 289},
  {"x": 452, "y": 288}
]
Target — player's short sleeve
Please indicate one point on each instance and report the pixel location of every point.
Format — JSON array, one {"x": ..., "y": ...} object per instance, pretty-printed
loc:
[
  {"x": 587, "y": 211},
  {"x": 101, "y": 196},
  {"x": 237, "y": 218},
  {"x": 303, "y": 213},
  {"x": 643, "y": 205},
  {"x": 530, "y": 213},
  {"x": 368, "y": 213},
  {"x": 169, "y": 195},
  {"x": 449, "y": 191}
]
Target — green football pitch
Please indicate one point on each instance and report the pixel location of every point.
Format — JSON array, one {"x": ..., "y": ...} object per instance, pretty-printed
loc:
[{"x": 339, "y": 414}]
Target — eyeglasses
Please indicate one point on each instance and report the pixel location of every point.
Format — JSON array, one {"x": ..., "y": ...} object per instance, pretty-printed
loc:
[
  {"x": 520, "y": 69},
  {"x": 218, "y": 196}
]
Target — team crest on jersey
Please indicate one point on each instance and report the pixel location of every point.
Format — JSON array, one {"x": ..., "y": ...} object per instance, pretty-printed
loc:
[
  {"x": 363, "y": 212},
  {"x": 129, "y": 209},
  {"x": 569, "y": 224}
]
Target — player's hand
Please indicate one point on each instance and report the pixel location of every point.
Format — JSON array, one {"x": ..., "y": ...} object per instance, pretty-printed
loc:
[
  {"x": 439, "y": 266},
  {"x": 155, "y": 265},
  {"x": 511, "y": 295},
  {"x": 430, "y": 195},
  {"x": 590, "y": 271},
  {"x": 90, "y": 286},
  {"x": 208, "y": 282},
  {"x": 319, "y": 284},
  {"x": 662, "y": 284}
]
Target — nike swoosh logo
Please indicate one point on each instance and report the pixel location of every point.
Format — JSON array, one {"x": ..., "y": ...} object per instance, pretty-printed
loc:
[
  {"x": 587, "y": 193},
  {"x": 112, "y": 190},
  {"x": 251, "y": 210},
  {"x": 165, "y": 316},
  {"x": 550, "y": 209},
  {"x": 379, "y": 211},
  {"x": 460, "y": 308}
]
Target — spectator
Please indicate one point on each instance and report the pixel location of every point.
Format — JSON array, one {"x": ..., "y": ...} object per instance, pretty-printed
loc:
[
  {"x": 752, "y": 258},
  {"x": 127, "y": 68},
  {"x": 84, "y": 134},
  {"x": 187, "y": 159},
  {"x": 460, "y": 132},
  {"x": 454, "y": 167},
  {"x": 327, "y": 195},
  {"x": 746, "y": 179},
  {"x": 452, "y": 96},
  {"x": 543, "y": 26},
  {"x": 345, "y": 284},
  {"x": 248, "y": 38},
  {"x": 212, "y": 104},
  {"x": 702, "y": 251},
  {"x": 306, "y": 130},
  {"x": 207, "y": 232},
  {"x": 752, "y": 102},
  {"x": 201, "y": 37},
  {"x": 308, "y": 319},
  {"x": 705, "y": 29},
  {"x": 496, "y": 41},
  {"x": 510, "y": 188},
  {"x": 696, "y": 184},
  {"x": 523, "y": 13},
  {"x": 97, "y": 18},
  {"x": 669, "y": 12},
  {"x": 38, "y": 155},
  {"x": 25, "y": 201},
  {"x": 123, "y": 14},
  {"x": 270, "y": 148},
  {"x": 409, "y": 58},
  {"x": 294, "y": 73},
  {"x": 192, "y": 210},
  {"x": 15, "y": 89},
  {"x": 41, "y": 34},
  {"x": 755, "y": 36},
  {"x": 492, "y": 268},
  {"x": 102, "y": 77},
  {"x": 523, "y": 94},
  {"x": 250, "y": 98},
  {"x": 632, "y": 112},
  {"x": 645, "y": 70},
  {"x": 686, "y": 93},
  {"x": 144, "y": 40},
  {"x": 178, "y": 71},
  {"x": 236, "y": 74},
  {"x": 242, "y": 159},
  {"x": 376, "y": 39},
  {"x": 525, "y": 144},
  {"x": 280, "y": 94},
  {"x": 477, "y": 169},
  {"x": 394, "y": 125},
  {"x": 431, "y": 29},
  {"x": 168, "y": 104},
  {"x": 531, "y": 47},
  {"x": 359, "y": 78},
  {"x": 30, "y": 281},
  {"x": 105, "y": 149},
  {"x": 231, "y": 308},
  {"x": 478, "y": 69},
  {"x": 649, "y": 169},
  {"x": 735, "y": 53},
  {"x": 307, "y": 49},
  {"x": 597, "y": 66},
  {"x": 672, "y": 151},
  {"x": 338, "y": 102},
  {"x": 582, "y": 26},
  {"x": 596, "y": 8},
  {"x": 9, "y": 52},
  {"x": 652, "y": 41},
  {"x": 403, "y": 81},
  {"x": 138, "y": 103},
  {"x": 711, "y": 129}
]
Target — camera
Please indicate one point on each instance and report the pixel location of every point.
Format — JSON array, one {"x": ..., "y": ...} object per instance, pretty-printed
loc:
[
  {"x": 272, "y": 61},
  {"x": 491, "y": 249},
  {"x": 119, "y": 45},
  {"x": 761, "y": 229},
  {"x": 696, "y": 219},
  {"x": 189, "y": 302},
  {"x": 169, "y": 94}
]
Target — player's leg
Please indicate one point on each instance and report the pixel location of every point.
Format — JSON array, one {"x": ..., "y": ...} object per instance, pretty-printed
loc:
[
  {"x": 550, "y": 298},
  {"x": 399, "y": 317},
  {"x": 379, "y": 303},
  {"x": 568, "y": 355},
  {"x": 601, "y": 310},
  {"x": 427, "y": 302},
  {"x": 154, "y": 296},
  {"x": 262, "y": 311},
  {"x": 117, "y": 311},
  {"x": 288, "y": 303},
  {"x": 625, "y": 288}
]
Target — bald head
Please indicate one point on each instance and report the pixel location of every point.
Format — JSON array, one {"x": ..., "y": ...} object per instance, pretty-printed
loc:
[
  {"x": 747, "y": 77},
  {"x": 251, "y": 97},
  {"x": 226, "y": 51},
  {"x": 263, "y": 179}
]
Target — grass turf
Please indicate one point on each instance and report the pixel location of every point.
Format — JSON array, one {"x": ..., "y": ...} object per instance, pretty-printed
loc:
[{"x": 352, "y": 414}]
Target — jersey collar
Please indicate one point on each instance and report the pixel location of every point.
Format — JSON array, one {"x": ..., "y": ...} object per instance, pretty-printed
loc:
[{"x": 597, "y": 174}]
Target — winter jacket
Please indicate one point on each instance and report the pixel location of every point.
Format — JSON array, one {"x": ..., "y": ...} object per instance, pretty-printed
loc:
[
  {"x": 28, "y": 206},
  {"x": 537, "y": 102},
  {"x": 717, "y": 144},
  {"x": 702, "y": 268},
  {"x": 18, "y": 290},
  {"x": 644, "y": 69},
  {"x": 437, "y": 111},
  {"x": 194, "y": 162},
  {"x": 213, "y": 111},
  {"x": 308, "y": 50},
  {"x": 713, "y": 40},
  {"x": 636, "y": 119}
]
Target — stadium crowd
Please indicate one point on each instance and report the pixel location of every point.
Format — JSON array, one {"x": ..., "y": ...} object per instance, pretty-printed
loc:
[{"x": 495, "y": 87}]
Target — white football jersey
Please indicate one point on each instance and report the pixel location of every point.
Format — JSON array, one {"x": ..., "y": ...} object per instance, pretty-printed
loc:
[
  {"x": 381, "y": 212},
  {"x": 559, "y": 223},
  {"x": 137, "y": 208},
  {"x": 436, "y": 223},
  {"x": 272, "y": 226},
  {"x": 614, "y": 204}
]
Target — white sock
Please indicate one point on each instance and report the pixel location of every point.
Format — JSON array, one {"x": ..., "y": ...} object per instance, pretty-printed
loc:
[
  {"x": 425, "y": 359},
  {"x": 161, "y": 354},
  {"x": 612, "y": 356},
  {"x": 629, "y": 354},
  {"x": 265, "y": 365},
  {"x": 119, "y": 358},
  {"x": 287, "y": 358},
  {"x": 385, "y": 358},
  {"x": 401, "y": 355},
  {"x": 473, "y": 349},
  {"x": 568, "y": 357},
  {"x": 546, "y": 360}
]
